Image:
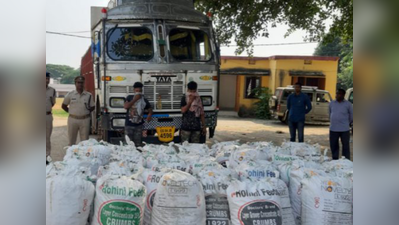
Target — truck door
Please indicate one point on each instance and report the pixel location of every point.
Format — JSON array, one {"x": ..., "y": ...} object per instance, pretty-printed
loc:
[{"x": 321, "y": 107}]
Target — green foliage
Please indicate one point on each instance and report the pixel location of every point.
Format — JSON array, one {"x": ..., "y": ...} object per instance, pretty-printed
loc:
[
  {"x": 345, "y": 77},
  {"x": 345, "y": 67},
  {"x": 60, "y": 113},
  {"x": 67, "y": 74},
  {"x": 262, "y": 110},
  {"x": 246, "y": 20},
  {"x": 334, "y": 48},
  {"x": 70, "y": 78}
]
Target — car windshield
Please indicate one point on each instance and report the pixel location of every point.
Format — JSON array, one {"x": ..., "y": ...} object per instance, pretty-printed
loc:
[
  {"x": 323, "y": 98},
  {"x": 130, "y": 44},
  {"x": 190, "y": 45}
]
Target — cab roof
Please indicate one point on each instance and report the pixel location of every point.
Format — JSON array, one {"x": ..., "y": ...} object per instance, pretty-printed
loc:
[{"x": 176, "y": 10}]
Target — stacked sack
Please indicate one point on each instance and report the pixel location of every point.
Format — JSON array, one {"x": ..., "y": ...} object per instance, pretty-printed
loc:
[
  {"x": 69, "y": 196},
  {"x": 227, "y": 184}
]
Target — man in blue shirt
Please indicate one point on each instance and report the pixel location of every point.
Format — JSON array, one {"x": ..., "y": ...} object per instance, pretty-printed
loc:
[
  {"x": 298, "y": 105},
  {"x": 341, "y": 118}
]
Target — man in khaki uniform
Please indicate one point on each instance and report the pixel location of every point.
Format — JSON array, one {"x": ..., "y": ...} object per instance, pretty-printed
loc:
[
  {"x": 50, "y": 102},
  {"x": 79, "y": 104}
]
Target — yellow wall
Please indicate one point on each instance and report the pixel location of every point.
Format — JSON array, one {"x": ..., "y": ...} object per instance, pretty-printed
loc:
[
  {"x": 239, "y": 63},
  {"x": 279, "y": 67},
  {"x": 329, "y": 69}
]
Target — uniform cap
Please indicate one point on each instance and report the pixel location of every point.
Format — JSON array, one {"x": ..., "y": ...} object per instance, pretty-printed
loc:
[{"x": 80, "y": 78}]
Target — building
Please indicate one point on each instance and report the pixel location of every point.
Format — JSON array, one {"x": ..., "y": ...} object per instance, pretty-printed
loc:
[
  {"x": 63, "y": 89},
  {"x": 55, "y": 81},
  {"x": 240, "y": 75}
]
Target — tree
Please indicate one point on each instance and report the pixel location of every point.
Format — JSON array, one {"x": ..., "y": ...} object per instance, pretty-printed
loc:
[
  {"x": 345, "y": 65},
  {"x": 246, "y": 20},
  {"x": 65, "y": 73},
  {"x": 334, "y": 48},
  {"x": 345, "y": 76},
  {"x": 70, "y": 78}
]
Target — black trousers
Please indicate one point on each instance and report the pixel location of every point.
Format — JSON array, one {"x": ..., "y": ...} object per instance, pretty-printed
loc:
[{"x": 334, "y": 143}]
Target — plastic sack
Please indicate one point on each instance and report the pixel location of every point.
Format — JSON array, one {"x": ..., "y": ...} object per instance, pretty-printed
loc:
[
  {"x": 297, "y": 175},
  {"x": 254, "y": 202},
  {"x": 326, "y": 200},
  {"x": 257, "y": 170},
  {"x": 279, "y": 159},
  {"x": 151, "y": 180},
  {"x": 179, "y": 200},
  {"x": 215, "y": 184},
  {"x": 69, "y": 196},
  {"x": 119, "y": 200}
]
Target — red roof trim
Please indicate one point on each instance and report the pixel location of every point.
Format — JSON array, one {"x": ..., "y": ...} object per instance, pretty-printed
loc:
[
  {"x": 321, "y": 58},
  {"x": 283, "y": 57},
  {"x": 244, "y": 58}
]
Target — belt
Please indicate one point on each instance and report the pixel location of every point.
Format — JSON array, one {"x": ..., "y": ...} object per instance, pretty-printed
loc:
[
  {"x": 79, "y": 117},
  {"x": 48, "y": 113}
]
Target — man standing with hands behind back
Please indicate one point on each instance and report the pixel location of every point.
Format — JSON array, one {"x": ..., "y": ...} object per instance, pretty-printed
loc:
[
  {"x": 50, "y": 102},
  {"x": 298, "y": 105},
  {"x": 193, "y": 115},
  {"x": 341, "y": 118},
  {"x": 79, "y": 104}
]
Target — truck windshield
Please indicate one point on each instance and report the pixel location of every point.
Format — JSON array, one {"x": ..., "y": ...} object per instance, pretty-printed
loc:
[
  {"x": 130, "y": 44},
  {"x": 190, "y": 45}
]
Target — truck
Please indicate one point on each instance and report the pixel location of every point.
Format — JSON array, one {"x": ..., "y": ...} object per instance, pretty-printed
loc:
[{"x": 164, "y": 44}]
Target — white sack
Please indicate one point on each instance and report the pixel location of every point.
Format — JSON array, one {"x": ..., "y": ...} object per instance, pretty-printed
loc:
[
  {"x": 151, "y": 180},
  {"x": 326, "y": 200},
  {"x": 119, "y": 200},
  {"x": 215, "y": 184},
  {"x": 69, "y": 197},
  {"x": 254, "y": 203},
  {"x": 257, "y": 171},
  {"x": 179, "y": 200}
]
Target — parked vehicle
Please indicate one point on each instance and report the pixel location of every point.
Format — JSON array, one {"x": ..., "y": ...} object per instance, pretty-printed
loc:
[
  {"x": 163, "y": 44},
  {"x": 349, "y": 95},
  {"x": 320, "y": 102}
]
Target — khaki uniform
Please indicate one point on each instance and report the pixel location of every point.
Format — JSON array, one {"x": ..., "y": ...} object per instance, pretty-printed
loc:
[
  {"x": 79, "y": 115},
  {"x": 50, "y": 102}
]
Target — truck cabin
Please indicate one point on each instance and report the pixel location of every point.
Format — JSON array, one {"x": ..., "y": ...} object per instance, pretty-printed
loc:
[{"x": 158, "y": 32}]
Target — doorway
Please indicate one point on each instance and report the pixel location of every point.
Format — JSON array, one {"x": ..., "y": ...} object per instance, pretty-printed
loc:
[{"x": 228, "y": 84}]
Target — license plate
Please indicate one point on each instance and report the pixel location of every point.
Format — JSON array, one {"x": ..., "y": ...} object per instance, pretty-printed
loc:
[{"x": 166, "y": 134}]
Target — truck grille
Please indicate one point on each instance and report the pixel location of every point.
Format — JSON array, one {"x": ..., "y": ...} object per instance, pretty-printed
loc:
[
  {"x": 118, "y": 89},
  {"x": 164, "y": 96}
]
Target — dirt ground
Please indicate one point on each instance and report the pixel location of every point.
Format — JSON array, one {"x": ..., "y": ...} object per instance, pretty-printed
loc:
[{"x": 229, "y": 129}]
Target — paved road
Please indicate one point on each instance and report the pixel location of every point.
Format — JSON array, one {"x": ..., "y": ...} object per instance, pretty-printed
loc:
[{"x": 229, "y": 129}]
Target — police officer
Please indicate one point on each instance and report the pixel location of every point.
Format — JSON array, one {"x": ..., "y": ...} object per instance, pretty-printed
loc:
[
  {"x": 79, "y": 104},
  {"x": 50, "y": 102}
]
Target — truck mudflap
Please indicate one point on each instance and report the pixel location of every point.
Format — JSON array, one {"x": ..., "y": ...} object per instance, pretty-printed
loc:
[{"x": 115, "y": 123}]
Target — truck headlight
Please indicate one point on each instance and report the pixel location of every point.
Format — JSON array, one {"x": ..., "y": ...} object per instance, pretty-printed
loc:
[
  {"x": 118, "y": 122},
  {"x": 207, "y": 100},
  {"x": 117, "y": 102}
]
